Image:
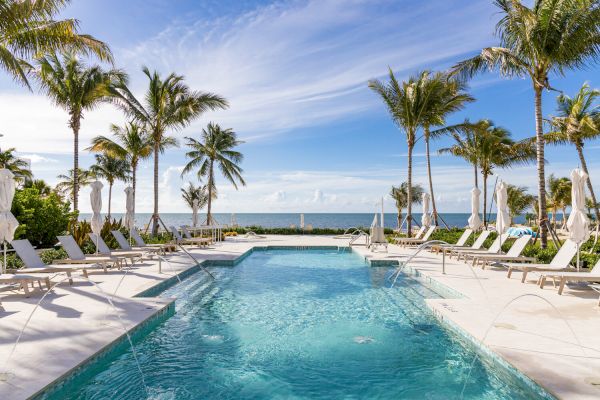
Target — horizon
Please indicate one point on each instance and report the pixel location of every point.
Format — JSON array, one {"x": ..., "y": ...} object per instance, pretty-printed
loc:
[{"x": 317, "y": 138}]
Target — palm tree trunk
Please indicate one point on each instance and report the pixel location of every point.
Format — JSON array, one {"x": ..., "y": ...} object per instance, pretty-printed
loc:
[
  {"x": 475, "y": 169},
  {"x": 110, "y": 186},
  {"x": 155, "y": 213},
  {"x": 399, "y": 218},
  {"x": 75, "y": 125},
  {"x": 563, "y": 224},
  {"x": 133, "y": 182},
  {"x": 210, "y": 188},
  {"x": 589, "y": 182},
  {"x": 409, "y": 192},
  {"x": 539, "y": 135},
  {"x": 485, "y": 221},
  {"x": 428, "y": 159}
]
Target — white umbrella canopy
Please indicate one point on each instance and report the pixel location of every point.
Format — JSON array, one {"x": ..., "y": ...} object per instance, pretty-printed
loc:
[
  {"x": 129, "y": 220},
  {"x": 578, "y": 223},
  {"x": 426, "y": 218},
  {"x": 96, "y": 202},
  {"x": 475, "y": 220},
  {"x": 301, "y": 221},
  {"x": 8, "y": 222},
  {"x": 502, "y": 215},
  {"x": 195, "y": 206}
]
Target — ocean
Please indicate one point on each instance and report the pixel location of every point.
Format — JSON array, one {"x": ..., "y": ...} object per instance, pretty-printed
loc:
[{"x": 282, "y": 220}]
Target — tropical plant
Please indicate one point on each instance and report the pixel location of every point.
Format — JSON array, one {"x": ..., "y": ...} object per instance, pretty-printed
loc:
[
  {"x": 65, "y": 186},
  {"x": 406, "y": 103},
  {"x": 559, "y": 197},
  {"x": 215, "y": 150},
  {"x": 193, "y": 192},
  {"x": 77, "y": 88},
  {"x": 494, "y": 148},
  {"x": 550, "y": 37},
  {"x": 400, "y": 196},
  {"x": 578, "y": 120},
  {"x": 445, "y": 95},
  {"x": 28, "y": 28},
  {"x": 42, "y": 187},
  {"x": 112, "y": 169},
  {"x": 518, "y": 201},
  {"x": 169, "y": 105},
  {"x": 18, "y": 166},
  {"x": 131, "y": 144},
  {"x": 591, "y": 205}
]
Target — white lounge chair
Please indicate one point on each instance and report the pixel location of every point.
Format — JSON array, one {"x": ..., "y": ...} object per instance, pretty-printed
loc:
[
  {"x": 418, "y": 235},
  {"x": 23, "y": 280},
  {"x": 560, "y": 262},
  {"x": 512, "y": 255},
  {"x": 181, "y": 240},
  {"x": 403, "y": 242},
  {"x": 459, "y": 243},
  {"x": 34, "y": 264},
  {"x": 494, "y": 248},
  {"x": 189, "y": 236},
  {"x": 104, "y": 250},
  {"x": 76, "y": 256},
  {"x": 142, "y": 245},
  {"x": 564, "y": 277}
]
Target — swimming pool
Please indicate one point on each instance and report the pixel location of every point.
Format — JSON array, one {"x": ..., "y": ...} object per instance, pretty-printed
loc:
[{"x": 297, "y": 324}]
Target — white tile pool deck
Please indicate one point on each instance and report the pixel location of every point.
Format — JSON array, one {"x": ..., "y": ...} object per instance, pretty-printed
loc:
[{"x": 538, "y": 335}]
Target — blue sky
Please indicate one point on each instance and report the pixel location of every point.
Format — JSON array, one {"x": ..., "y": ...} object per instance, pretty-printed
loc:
[{"x": 295, "y": 73}]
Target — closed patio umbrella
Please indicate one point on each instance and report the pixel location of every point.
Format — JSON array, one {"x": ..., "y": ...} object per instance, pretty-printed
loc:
[
  {"x": 578, "y": 223},
  {"x": 195, "y": 207},
  {"x": 426, "y": 218},
  {"x": 96, "y": 202},
  {"x": 8, "y": 222},
  {"x": 301, "y": 221},
  {"x": 475, "y": 220},
  {"x": 502, "y": 214},
  {"x": 129, "y": 220}
]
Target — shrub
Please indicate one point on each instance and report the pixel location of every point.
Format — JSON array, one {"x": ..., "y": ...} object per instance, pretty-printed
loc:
[{"x": 41, "y": 218}]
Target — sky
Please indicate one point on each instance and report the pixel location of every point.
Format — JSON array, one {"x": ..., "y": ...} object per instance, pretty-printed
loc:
[{"x": 296, "y": 74}]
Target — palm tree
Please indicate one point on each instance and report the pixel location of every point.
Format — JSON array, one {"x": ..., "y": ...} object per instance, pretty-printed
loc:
[
  {"x": 112, "y": 169},
  {"x": 18, "y": 166},
  {"x": 578, "y": 120},
  {"x": 400, "y": 195},
  {"x": 40, "y": 185},
  {"x": 559, "y": 197},
  {"x": 518, "y": 201},
  {"x": 131, "y": 144},
  {"x": 28, "y": 28},
  {"x": 169, "y": 104},
  {"x": 495, "y": 148},
  {"x": 77, "y": 88},
  {"x": 445, "y": 96},
  {"x": 467, "y": 144},
  {"x": 406, "y": 102},
  {"x": 192, "y": 193},
  {"x": 214, "y": 151},
  {"x": 65, "y": 186},
  {"x": 590, "y": 204},
  {"x": 550, "y": 37}
]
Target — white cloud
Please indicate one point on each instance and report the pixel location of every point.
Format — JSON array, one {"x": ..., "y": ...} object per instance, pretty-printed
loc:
[{"x": 38, "y": 159}]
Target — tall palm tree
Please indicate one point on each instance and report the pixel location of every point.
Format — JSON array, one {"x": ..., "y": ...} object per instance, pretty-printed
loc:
[
  {"x": 169, "y": 104},
  {"x": 215, "y": 150},
  {"x": 518, "y": 200},
  {"x": 495, "y": 148},
  {"x": 130, "y": 143},
  {"x": 578, "y": 120},
  {"x": 65, "y": 186},
  {"x": 406, "y": 103},
  {"x": 550, "y": 37},
  {"x": 192, "y": 192},
  {"x": 18, "y": 166},
  {"x": 400, "y": 196},
  {"x": 40, "y": 185},
  {"x": 467, "y": 144},
  {"x": 28, "y": 28},
  {"x": 77, "y": 88},
  {"x": 445, "y": 96},
  {"x": 559, "y": 197},
  {"x": 112, "y": 169}
]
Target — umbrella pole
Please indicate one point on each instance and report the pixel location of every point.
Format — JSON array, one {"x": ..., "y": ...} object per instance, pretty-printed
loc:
[
  {"x": 4, "y": 263},
  {"x": 577, "y": 257}
]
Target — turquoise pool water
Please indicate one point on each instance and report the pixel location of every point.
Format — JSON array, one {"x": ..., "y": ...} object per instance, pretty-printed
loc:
[{"x": 296, "y": 324}]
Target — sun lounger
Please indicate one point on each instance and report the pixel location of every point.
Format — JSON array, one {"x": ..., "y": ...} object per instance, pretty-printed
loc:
[
  {"x": 181, "y": 240},
  {"x": 76, "y": 256},
  {"x": 124, "y": 246},
  {"x": 512, "y": 255},
  {"x": 459, "y": 243},
  {"x": 23, "y": 280},
  {"x": 477, "y": 244},
  {"x": 139, "y": 241},
  {"x": 564, "y": 277},
  {"x": 418, "y": 235},
  {"x": 34, "y": 264},
  {"x": 104, "y": 250},
  {"x": 560, "y": 262},
  {"x": 403, "y": 242},
  {"x": 495, "y": 248},
  {"x": 188, "y": 235}
]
